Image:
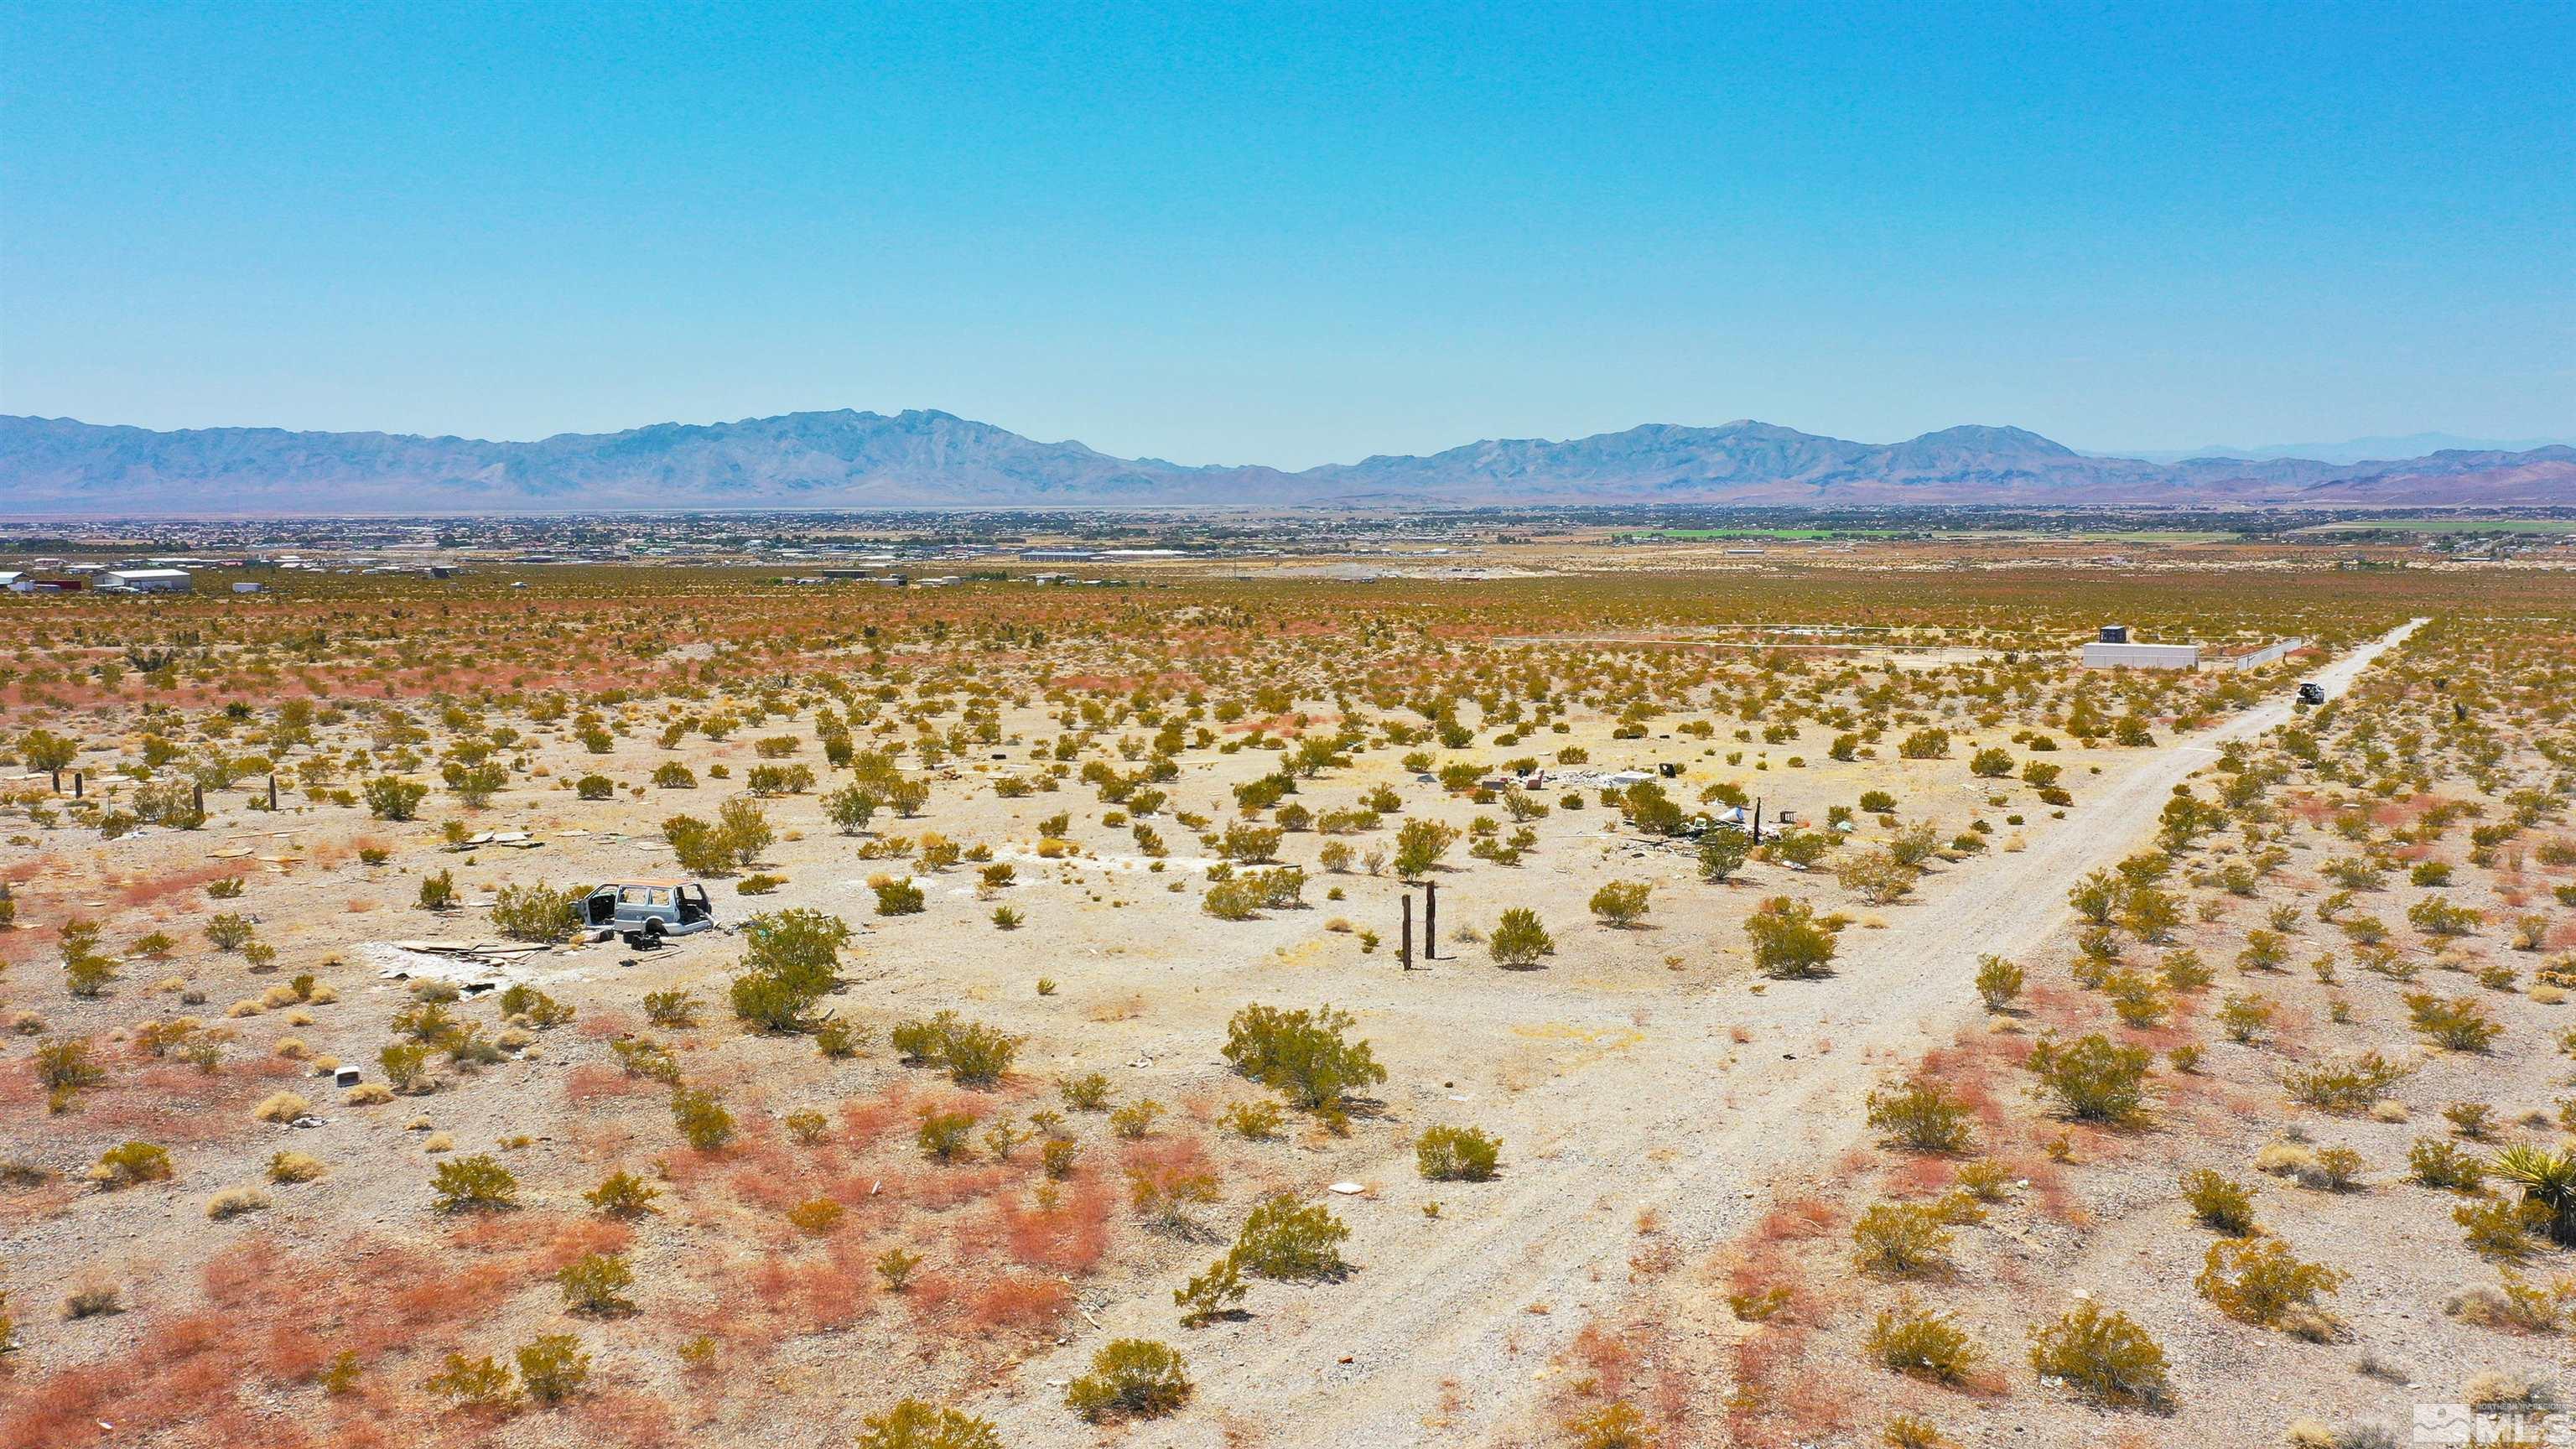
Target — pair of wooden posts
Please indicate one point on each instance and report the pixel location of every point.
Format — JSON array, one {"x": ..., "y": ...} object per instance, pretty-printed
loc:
[
  {"x": 1430, "y": 926},
  {"x": 196, "y": 792}
]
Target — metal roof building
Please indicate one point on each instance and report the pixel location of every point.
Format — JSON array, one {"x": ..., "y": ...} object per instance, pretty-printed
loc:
[{"x": 148, "y": 581}]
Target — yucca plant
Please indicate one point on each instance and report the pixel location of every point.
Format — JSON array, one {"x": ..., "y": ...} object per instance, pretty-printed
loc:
[{"x": 2548, "y": 1179}]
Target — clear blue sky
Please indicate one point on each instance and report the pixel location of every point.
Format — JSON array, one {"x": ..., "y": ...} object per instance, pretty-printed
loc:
[{"x": 1295, "y": 234}]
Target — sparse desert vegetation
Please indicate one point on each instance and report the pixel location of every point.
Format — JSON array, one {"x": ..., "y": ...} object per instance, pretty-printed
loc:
[{"x": 336, "y": 1120}]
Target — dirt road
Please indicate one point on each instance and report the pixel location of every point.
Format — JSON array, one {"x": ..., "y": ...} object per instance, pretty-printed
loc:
[{"x": 1446, "y": 1331}]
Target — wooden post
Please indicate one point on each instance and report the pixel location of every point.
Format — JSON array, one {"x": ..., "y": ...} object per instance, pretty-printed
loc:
[
  {"x": 1404, "y": 942},
  {"x": 1757, "y": 820},
  {"x": 272, "y": 793},
  {"x": 58, "y": 782},
  {"x": 199, "y": 794},
  {"x": 1431, "y": 920},
  {"x": 79, "y": 785}
]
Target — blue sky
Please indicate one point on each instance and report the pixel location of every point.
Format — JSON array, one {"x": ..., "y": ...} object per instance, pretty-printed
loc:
[{"x": 1295, "y": 234}]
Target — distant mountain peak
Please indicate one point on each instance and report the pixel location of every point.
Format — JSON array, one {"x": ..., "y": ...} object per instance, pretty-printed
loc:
[
  {"x": 1999, "y": 439},
  {"x": 926, "y": 458}
]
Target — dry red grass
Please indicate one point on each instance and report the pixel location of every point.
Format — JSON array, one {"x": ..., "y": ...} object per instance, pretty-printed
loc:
[{"x": 1797, "y": 1220}]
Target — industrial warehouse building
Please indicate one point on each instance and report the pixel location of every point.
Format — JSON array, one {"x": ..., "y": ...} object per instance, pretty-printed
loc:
[{"x": 147, "y": 581}]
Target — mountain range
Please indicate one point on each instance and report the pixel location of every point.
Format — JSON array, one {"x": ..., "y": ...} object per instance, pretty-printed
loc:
[{"x": 846, "y": 459}]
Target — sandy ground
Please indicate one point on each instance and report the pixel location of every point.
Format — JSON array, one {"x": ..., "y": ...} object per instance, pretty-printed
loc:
[{"x": 1448, "y": 1331}]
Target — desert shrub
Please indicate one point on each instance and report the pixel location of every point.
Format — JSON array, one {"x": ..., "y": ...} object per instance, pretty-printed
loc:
[
  {"x": 1519, "y": 940},
  {"x": 1921, "y": 1344},
  {"x": 1212, "y": 1294},
  {"x": 2095, "y": 1080},
  {"x": 1920, "y": 1116},
  {"x": 1984, "y": 1181},
  {"x": 897, "y": 895},
  {"x": 1419, "y": 844},
  {"x": 2515, "y": 1304},
  {"x": 1254, "y": 1121},
  {"x": 1130, "y": 1378},
  {"x": 1999, "y": 982},
  {"x": 292, "y": 1167},
  {"x": 1877, "y": 877},
  {"x": 2455, "y": 1023},
  {"x": 1456, "y": 1154},
  {"x": 64, "y": 1065},
  {"x": 1620, "y": 903},
  {"x": 672, "y": 775},
  {"x": 536, "y": 1008},
  {"x": 474, "y": 1184},
  {"x": 896, "y": 1267},
  {"x": 780, "y": 779},
  {"x": 536, "y": 912},
  {"x": 2499, "y": 1229},
  {"x": 1086, "y": 1093},
  {"x": 2333, "y": 1169},
  {"x": 1136, "y": 1119},
  {"x": 973, "y": 1054},
  {"x": 2435, "y": 1162},
  {"x": 438, "y": 892},
  {"x": 647, "y": 1058},
  {"x": 2217, "y": 1202},
  {"x": 1925, "y": 744},
  {"x": 392, "y": 798},
  {"x": 1232, "y": 899},
  {"x": 1789, "y": 942},
  {"x": 1286, "y": 1240},
  {"x": 2259, "y": 1282},
  {"x": 913, "y": 1424},
  {"x": 1303, "y": 1055},
  {"x": 475, "y": 781},
  {"x": 2246, "y": 1017},
  {"x": 2106, "y": 1357},
  {"x": 701, "y": 1117},
  {"x": 623, "y": 1195},
  {"x": 280, "y": 1107},
  {"x": 1899, "y": 1239},
  {"x": 673, "y": 1008},
  {"x": 2437, "y": 917},
  {"x": 1722, "y": 853},
  {"x": 2183, "y": 970},
  {"x": 229, "y": 932},
  {"x": 596, "y": 1283},
  {"x": 942, "y": 1136},
  {"x": 1614, "y": 1425},
  {"x": 475, "y": 1382},
  {"x": 128, "y": 1163},
  {"x": 2349, "y": 1084},
  {"x": 552, "y": 1368}
]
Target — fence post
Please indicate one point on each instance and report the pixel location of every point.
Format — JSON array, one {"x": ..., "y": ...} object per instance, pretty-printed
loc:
[
  {"x": 1431, "y": 920},
  {"x": 1404, "y": 942}
]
